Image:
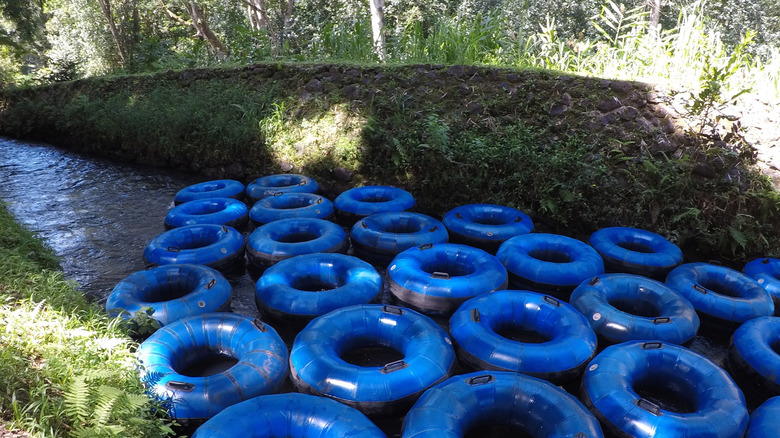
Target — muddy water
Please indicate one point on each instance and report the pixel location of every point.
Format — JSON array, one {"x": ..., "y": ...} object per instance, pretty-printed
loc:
[{"x": 98, "y": 216}]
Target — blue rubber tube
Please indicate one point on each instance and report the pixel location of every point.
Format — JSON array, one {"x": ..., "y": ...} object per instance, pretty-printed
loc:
[
  {"x": 282, "y": 239},
  {"x": 290, "y": 205},
  {"x": 636, "y": 251},
  {"x": 766, "y": 272},
  {"x": 765, "y": 421},
  {"x": 436, "y": 279},
  {"x": 222, "y": 188},
  {"x": 289, "y": 415},
  {"x": 216, "y": 211},
  {"x": 216, "y": 246},
  {"x": 486, "y": 226},
  {"x": 260, "y": 369},
  {"x": 317, "y": 368},
  {"x": 626, "y": 307},
  {"x": 465, "y": 402},
  {"x": 306, "y": 286},
  {"x": 359, "y": 202},
  {"x": 281, "y": 183},
  {"x": 609, "y": 389},
  {"x": 567, "y": 341},
  {"x": 380, "y": 237},
  {"x": 549, "y": 263},
  {"x": 721, "y": 294},
  {"x": 753, "y": 356},
  {"x": 172, "y": 291}
]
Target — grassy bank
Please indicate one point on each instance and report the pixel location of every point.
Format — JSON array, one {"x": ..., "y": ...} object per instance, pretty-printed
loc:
[
  {"x": 66, "y": 369},
  {"x": 576, "y": 153}
]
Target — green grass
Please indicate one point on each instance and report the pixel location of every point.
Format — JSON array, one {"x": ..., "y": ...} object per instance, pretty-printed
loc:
[{"x": 66, "y": 369}]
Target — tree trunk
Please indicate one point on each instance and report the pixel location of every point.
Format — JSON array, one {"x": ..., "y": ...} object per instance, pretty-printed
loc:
[
  {"x": 377, "y": 27},
  {"x": 105, "y": 6},
  {"x": 655, "y": 14},
  {"x": 200, "y": 22}
]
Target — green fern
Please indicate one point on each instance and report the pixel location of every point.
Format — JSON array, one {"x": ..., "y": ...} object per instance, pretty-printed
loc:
[
  {"x": 739, "y": 237},
  {"x": 77, "y": 401}
]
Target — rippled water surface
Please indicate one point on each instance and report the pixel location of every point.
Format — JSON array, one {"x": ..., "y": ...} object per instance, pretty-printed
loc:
[{"x": 95, "y": 214}]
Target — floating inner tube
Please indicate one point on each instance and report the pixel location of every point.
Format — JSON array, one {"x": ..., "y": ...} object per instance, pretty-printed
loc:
[
  {"x": 217, "y": 246},
  {"x": 766, "y": 272},
  {"x": 360, "y": 202},
  {"x": 289, "y": 415},
  {"x": 765, "y": 421},
  {"x": 625, "y": 307},
  {"x": 282, "y": 183},
  {"x": 202, "y": 364},
  {"x": 310, "y": 285},
  {"x": 525, "y": 332},
  {"x": 506, "y": 402},
  {"x": 287, "y": 238},
  {"x": 721, "y": 294},
  {"x": 486, "y": 226},
  {"x": 436, "y": 279},
  {"x": 317, "y": 364},
  {"x": 222, "y": 188},
  {"x": 636, "y": 251},
  {"x": 382, "y": 236},
  {"x": 290, "y": 205},
  {"x": 754, "y": 357},
  {"x": 549, "y": 263},
  {"x": 217, "y": 211},
  {"x": 172, "y": 291},
  {"x": 651, "y": 389}
]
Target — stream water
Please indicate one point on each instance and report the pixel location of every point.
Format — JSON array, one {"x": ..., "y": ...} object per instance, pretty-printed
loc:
[{"x": 98, "y": 216}]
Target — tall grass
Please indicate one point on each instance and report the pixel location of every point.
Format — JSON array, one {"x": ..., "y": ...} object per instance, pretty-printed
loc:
[{"x": 627, "y": 47}]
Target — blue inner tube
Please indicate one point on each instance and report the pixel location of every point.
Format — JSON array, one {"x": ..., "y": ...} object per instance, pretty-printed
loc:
[
  {"x": 766, "y": 272},
  {"x": 753, "y": 354},
  {"x": 289, "y": 415},
  {"x": 281, "y": 183},
  {"x": 765, "y": 421},
  {"x": 175, "y": 363},
  {"x": 720, "y": 293},
  {"x": 365, "y": 201},
  {"x": 479, "y": 400},
  {"x": 217, "y": 246},
  {"x": 651, "y": 389},
  {"x": 310, "y": 285},
  {"x": 636, "y": 251},
  {"x": 217, "y": 211},
  {"x": 436, "y": 279},
  {"x": 525, "y": 332},
  {"x": 382, "y": 236},
  {"x": 290, "y": 205},
  {"x": 625, "y": 307},
  {"x": 287, "y": 238},
  {"x": 222, "y": 188},
  {"x": 172, "y": 291},
  {"x": 486, "y": 226},
  {"x": 317, "y": 366},
  {"x": 549, "y": 263}
]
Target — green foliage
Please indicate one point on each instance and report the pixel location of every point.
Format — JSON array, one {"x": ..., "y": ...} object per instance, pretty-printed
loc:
[{"x": 66, "y": 369}]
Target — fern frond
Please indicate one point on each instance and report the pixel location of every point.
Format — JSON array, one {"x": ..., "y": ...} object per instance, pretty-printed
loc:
[
  {"x": 77, "y": 401},
  {"x": 738, "y": 237},
  {"x": 107, "y": 399}
]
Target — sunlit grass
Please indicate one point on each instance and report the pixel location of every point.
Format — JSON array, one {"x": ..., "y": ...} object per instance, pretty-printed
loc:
[{"x": 49, "y": 336}]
